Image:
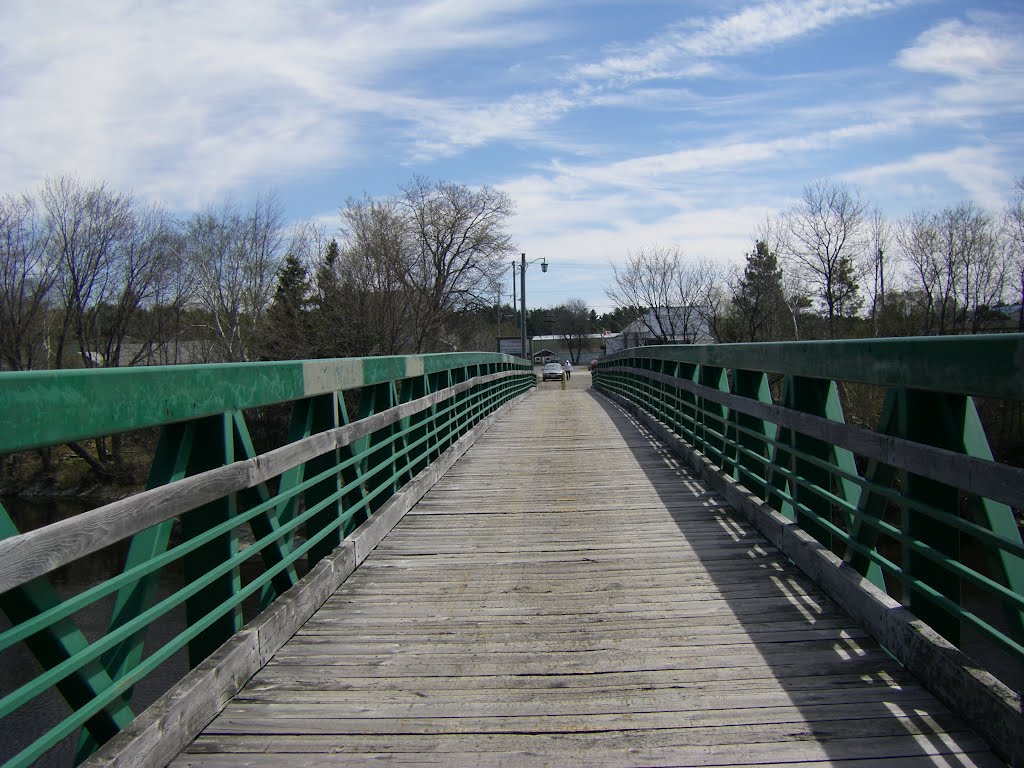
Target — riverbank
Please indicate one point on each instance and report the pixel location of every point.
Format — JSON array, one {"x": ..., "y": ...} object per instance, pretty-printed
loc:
[{"x": 66, "y": 476}]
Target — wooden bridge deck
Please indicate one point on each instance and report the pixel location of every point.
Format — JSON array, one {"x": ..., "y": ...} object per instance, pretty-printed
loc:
[{"x": 569, "y": 595}]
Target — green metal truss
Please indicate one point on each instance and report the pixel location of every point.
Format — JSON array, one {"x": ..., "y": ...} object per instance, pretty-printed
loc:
[{"x": 921, "y": 535}]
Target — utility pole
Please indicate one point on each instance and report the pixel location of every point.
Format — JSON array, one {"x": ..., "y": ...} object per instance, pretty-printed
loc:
[
  {"x": 514, "y": 296},
  {"x": 522, "y": 296},
  {"x": 522, "y": 299}
]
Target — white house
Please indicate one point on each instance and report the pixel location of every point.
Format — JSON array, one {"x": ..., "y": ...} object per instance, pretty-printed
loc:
[{"x": 666, "y": 325}]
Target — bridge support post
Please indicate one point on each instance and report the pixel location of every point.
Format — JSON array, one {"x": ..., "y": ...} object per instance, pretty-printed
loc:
[
  {"x": 322, "y": 415},
  {"x": 751, "y": 436},
  {"x": 795, "y": 478},
  {"x": 950, "y": 422},
  {"x": 213, "y": 447}
]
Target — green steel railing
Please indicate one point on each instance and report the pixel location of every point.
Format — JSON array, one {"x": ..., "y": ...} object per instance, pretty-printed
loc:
[
  {"x": 916, "y": 504},
  {"x": 239, "y": 527}
]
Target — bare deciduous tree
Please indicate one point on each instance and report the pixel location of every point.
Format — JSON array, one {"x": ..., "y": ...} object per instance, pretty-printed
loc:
[
  {"x": 985, "y": 265},
  {"x": 881, "y": 262},
  {"x": 700, "y": 287},
  {"x": 957, "y": 266},
  {"x": 139, "y": 263},
  {"x": 1014, "y": 234},
  {"x": 108, "y": 253},
  {"x": 27, "y": 273},
  {"x": 236, "y": 257},
  {"x": 678, "y": 294},
  {"x": 823, "y": 238},
  {"x": 919, "y": 242},
  {"x": 461, "y": 241},
  {"x": 572, "y": 323},
  {"x": 372, "y": 276},
  {"x": 89, "y": 224},
  {"x": 795, "y": 292},
  {"x": 168, "y": 337},
  {"x": 647, "y": 280},
  {"x": 414, "y": 266}
]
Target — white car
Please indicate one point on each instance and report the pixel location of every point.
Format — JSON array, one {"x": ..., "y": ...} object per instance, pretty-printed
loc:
[{"x": 552, "y": 371}]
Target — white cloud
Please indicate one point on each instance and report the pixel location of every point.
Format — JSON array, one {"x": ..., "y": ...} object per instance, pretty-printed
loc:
[
  {"x": 444, "y": 128},
  {"x": 965, "y": 51},
  {"x": 765, "y": 25},
  {"x": 980, "y": 171},
  {"x": 984, "y": 60},
  {"x": 735, "y": 155},
  {"x": 189, "y": 99},
  {"x": 186, "y": 101},
  {"x": 581, "y": 254},
  {"x": 569, "y": 217},
  {"x": 684, "y": 50}
]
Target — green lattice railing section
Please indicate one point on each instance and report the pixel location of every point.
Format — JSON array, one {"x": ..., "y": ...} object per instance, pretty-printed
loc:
[
  {"x": 238, "y": 528},
  {"x": 913, "y": 501}
]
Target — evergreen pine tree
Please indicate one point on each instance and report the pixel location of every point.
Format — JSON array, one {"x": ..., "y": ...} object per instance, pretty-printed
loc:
[
  {"x": 329, "y": 323},
  {"x": 759, "y": 301},
  {"x": 846, "y": 290},
  {"x": 288, "y": 319}
]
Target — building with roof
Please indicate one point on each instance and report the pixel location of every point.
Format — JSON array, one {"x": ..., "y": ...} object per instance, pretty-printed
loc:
[{"x": 665, "y": 325}]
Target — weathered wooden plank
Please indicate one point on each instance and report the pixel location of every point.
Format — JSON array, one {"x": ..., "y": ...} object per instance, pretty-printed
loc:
[
  {"x": 710, "y": 678},
  {"x": 808, "y": 640},
  {"x": 539, "y": 607},
  {"x": 447, "y": 640},
  {"x": 710, "y": 681},
  {"x": 651, "y": 759},
  {"x": 623, "y": 697},
  {"x": 793, "y": 745},
  {"x": 686, "y": 708},
  {"x": 584, "y": 664},
  {"x": 714, "y": 728},
  {"x": 500, "y": 638},
  {"x": 695, "y": 587},
  {"x": 404, "y": 570}
]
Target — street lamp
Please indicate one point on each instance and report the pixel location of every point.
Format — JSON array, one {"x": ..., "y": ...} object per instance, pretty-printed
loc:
[{"x": 522, "y": 296}]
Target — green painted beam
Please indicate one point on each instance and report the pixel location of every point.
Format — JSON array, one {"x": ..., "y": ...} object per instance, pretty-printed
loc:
[
  {"x": 982, "y": 366},
  {"x": 39, "y": 408}
]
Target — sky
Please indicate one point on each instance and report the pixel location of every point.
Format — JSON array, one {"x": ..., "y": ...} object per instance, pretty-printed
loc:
[{"x": 615, "y": 126}]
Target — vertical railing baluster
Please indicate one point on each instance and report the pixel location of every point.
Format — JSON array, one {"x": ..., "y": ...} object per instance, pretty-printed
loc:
[
  {"x": 213, "y": 447},
  {"x": 746, "y": 468},
  {"x": 324, "y": 415},
  {"x": 712, "y": 415}
]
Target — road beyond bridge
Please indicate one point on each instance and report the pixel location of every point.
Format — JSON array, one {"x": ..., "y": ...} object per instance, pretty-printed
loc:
[{"x": 569, "y": 594}]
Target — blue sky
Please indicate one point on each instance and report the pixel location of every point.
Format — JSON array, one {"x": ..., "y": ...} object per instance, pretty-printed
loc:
[{"x": 613, "y": 125}]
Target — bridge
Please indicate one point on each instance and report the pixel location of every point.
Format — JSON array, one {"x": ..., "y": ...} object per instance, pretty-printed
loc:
[{"x": 783, "y": 554}]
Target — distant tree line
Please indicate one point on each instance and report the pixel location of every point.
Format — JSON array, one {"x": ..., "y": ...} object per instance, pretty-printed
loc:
[
  {"x": 830, "y": 267},
  {"x": 92, "y": 277},
  {"x": 416, "y": 272},
  {"x": 833, "y": 266}
]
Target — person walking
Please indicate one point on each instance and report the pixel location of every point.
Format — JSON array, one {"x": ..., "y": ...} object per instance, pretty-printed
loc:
[{"x": 568, "y": 370}]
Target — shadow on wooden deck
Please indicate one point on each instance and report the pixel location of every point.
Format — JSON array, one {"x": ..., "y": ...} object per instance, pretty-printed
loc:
[{"x": 853, "y": 700}]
